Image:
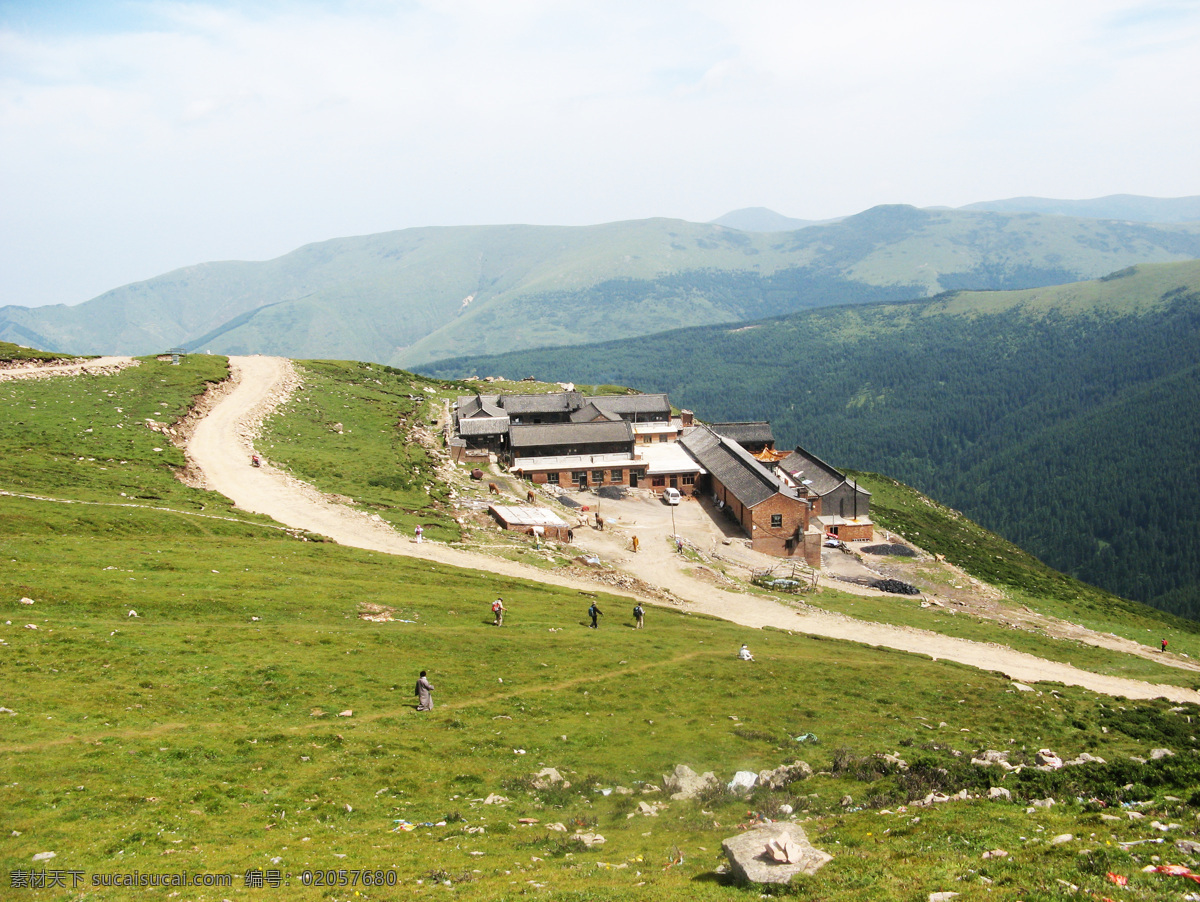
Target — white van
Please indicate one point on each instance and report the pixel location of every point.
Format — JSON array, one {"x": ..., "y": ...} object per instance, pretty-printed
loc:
[{"x": 671, "y": 496}]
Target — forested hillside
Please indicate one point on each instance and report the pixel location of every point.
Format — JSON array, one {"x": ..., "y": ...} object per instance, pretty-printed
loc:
[
  {"x": 1066, "y": 419},
  {"x": 409, "y": 297}
]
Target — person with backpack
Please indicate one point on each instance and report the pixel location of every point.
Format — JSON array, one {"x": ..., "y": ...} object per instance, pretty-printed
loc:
[
  {"x": 638, "y": 615},
  {"x": 498, "y": 610},
  {"x": 594, "y": 612}
]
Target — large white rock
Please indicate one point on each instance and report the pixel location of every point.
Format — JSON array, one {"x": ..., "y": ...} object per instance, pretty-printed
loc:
[{"x": 753, "y": 855}]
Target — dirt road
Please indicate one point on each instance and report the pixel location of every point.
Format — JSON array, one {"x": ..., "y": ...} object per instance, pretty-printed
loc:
[{"x": 221, "y": 447}]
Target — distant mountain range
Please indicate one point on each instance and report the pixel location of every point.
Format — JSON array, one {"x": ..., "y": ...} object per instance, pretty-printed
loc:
[
  {"x": 1126, "y": 207},
  {"x": 1064, "y": 418},
  {"x": 417, "y": 295}
]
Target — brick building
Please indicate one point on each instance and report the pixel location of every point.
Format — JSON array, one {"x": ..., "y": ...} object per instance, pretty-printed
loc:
[{"x": 775, "y": 516}]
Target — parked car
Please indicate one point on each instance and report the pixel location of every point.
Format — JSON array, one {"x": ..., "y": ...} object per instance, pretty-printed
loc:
[{"x": 671, "y": 496}]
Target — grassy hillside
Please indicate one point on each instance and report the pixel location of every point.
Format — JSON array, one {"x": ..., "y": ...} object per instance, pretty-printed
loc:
[
  {"x": 1062, "y": 417},
  {"x": 248, "y": 720},
  {"x": 421, "y": 294}
]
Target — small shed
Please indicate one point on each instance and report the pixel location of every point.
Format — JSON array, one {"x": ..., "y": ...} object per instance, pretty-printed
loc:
[{"x": 530, "y": 520}]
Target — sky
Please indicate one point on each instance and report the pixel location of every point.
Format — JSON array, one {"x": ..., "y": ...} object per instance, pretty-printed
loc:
[{"x": 140, "y": 137}]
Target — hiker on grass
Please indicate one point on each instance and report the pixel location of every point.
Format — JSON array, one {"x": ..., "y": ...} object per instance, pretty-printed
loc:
[
  {"x": 744, "y": 654},
  {"x": 420, "y": 533},
  {"x": 594, "y": 612},
  {"x": 424, "y": 693},
  {"x": 638, "y": 615},
  {"x": 498, "y": 610},
  {"x": 1164, "y": 644}
]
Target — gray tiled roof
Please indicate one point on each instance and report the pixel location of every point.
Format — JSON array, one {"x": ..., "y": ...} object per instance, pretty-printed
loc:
[
  {"x": 555, "y": 402},
  {"x": 733, "y": 466},
  {"x": 483, "y": 426},
  {"x": 824, "y": 477},
  {"x": 479, "y": 405},
  {"x": 573, "y": 434},
  {"x": 590, "y": 412},
  {"x": 754, "y": 433},
  {"x": 631, "y": 405}
]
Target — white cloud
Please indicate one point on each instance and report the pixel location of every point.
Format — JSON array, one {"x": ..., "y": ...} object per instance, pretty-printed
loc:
[{"x": 204, "y": 131}]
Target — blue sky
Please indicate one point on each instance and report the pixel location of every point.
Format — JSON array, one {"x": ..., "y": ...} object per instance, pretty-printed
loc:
[{"x": 138, "y": 137}]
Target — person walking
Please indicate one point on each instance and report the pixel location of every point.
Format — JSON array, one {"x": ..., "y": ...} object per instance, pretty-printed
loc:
[
  {"x": 498, "y": 610},
  {"x": 594, "y": 612},
  {"x": 636, "y": 543},
  {"x": 420, "y": 533},
  {"x": 424, "y": 693},
  {"x": 1164, "y": 644},
  {"x": 639, "y": 615}
]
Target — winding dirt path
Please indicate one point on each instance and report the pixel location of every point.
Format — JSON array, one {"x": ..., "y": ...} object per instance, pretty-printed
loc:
[{"x": 221, "y": 447}]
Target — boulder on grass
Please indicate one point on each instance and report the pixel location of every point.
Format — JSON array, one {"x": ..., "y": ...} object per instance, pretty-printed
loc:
[
  {"x": 685, "y": 783},
  {"x": 754, "y": 856}
]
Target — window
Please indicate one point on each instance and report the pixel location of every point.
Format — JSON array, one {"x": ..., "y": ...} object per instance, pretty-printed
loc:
[
  {"x": 597, "y": 477},
  {"x": 662, "y": 437},
  {"x": 777, "y": 521},
  {"x": 687, "y": 479},
  {"x": 551, "y": 479},
  {"x": 658, "y": 481},
  {"x": 617, "y": 475}
]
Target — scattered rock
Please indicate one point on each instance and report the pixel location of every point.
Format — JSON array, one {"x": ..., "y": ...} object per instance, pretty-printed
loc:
[
  {"x": 942, "y": 897},
  {"x": 547, "y": 777},
  {"x": 995, "y": 853},
  {"x": 753, "y": 854},
  {"x": 31, "y": 626},
  {"x": 557, "y": 827},
  {"x": 1155, "y": 754},
  {"x": 895, "y": 760},
  {"x": 785, "y": 774},
  {"x": 347, "y": 713},
  {"x": 993, "y": 758},
  {"x": 847, "y": 801},
  {"x": 1085, "y": 758},
  {"x": 1188, "y": 846},
  {"x": 132, "y": 613},
  {"x": 26, "y": 601},
  {"x": 1043, "y": 803},
  {"x": 999, "y": 792},
  {"x": 495, "y": 799},
  {"x": 591, "y": 840},
  {"x": 1062, "y": 838},
  {"x": 1021, "y": 687},
  {"x": 527, "y": 820},
  {"x": 44, "y": 856},
  {"x": 743, "y": 781},
  {"x": 685, "y": 783},
  {"x": 8, "y": 711},
  {"x": 1047, "y": 760}
]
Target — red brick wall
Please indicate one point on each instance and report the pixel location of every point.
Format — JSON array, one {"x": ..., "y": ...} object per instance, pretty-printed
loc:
[{"x": 775, "y": 539}]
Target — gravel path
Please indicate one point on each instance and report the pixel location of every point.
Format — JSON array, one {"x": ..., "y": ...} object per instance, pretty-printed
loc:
[{"x": 222, "y": 444}]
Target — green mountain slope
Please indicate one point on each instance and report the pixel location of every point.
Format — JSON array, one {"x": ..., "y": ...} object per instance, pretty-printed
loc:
[
  {"x": 249, "y": 721},
  {"x": 1066, "y": 418},
  {"x": 421, "y": 294}
]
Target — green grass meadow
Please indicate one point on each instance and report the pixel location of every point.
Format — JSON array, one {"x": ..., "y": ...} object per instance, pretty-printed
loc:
[{"x": 203, "y": 735}]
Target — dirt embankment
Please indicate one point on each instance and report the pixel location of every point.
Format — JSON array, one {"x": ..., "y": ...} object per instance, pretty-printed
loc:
[
  {"x": 220, "y": 450},
  {"x": 46, "y": 369}
]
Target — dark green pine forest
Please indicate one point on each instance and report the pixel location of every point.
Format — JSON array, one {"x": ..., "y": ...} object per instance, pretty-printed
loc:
[{"x": 1069, "y": 425}]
